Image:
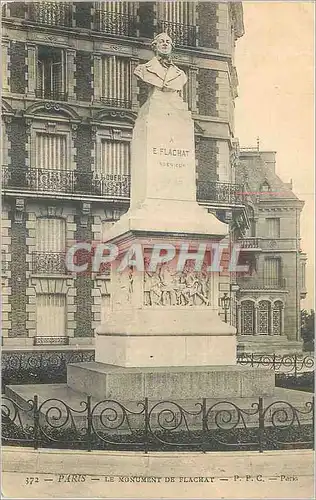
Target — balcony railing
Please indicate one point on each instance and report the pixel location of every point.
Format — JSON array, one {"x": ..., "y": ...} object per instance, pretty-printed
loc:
[
  {"x": 49, "y": 263},
  {"x": 51, "y": 94},
  {"x": 220, "y": 192},
  {"x": 116, "y": 103},
  {"x": 112, "y": 185},
  {"x": 51, "y": 13},
  {"x": 253, "y": 283},
  {"x": 67, "y": 181},
  {"x": 249, "y": 243},
  {"x": 114, "y": 23},
  {"x": 181, "y": 34}
]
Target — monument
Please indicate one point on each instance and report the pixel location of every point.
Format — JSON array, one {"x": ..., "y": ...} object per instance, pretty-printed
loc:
[{"x": 163, "y": 336}]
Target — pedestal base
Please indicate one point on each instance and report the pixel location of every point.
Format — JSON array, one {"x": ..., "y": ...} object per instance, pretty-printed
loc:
[
  {"x": 165, "y": 336},
  {"x": 171, "y": 350},
  {"x": 178, "y": 383}
]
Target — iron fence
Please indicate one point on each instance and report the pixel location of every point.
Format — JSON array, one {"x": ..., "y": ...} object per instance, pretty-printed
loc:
[
  {"x": 115, "y": 24},
  {"x": 67, "y": 181},
  {"x": 29, "y": 367},
  {"x": 165, "y": 425},
  {"x": 289, "y": 363},
  {"x": 116, "y": 103},
  {"x": 220, "y": 192},
  {"x": 51, "y": 13},
  {"x": 181, "y": 34},
  {"x": 51, "y": 94},
  {"x": 49, "y": 263}
]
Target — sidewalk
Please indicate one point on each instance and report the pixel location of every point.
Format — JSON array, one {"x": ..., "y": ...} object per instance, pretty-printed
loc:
[{"x": 71, "y": 474}]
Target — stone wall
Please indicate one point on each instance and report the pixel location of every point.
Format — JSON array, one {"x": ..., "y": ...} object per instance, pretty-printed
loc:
[
  {"x": 17, "y": 67},
  {"x": 83, "y": 76}
]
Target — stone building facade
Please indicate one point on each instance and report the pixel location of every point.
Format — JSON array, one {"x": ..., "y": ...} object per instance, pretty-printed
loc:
[
  {"x": 270, "y": 294},
  {"x": 69, "y": 102}
]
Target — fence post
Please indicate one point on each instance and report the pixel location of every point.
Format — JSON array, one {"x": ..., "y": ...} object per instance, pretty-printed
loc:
[
  {"x": 146, "y": 413},
  {"x": 252, "y": 359},
  {"x": 89, "y": 424},
  {"x": 295, "y": 365},
  {"x": 261, "y": 424},
  {"x": 36, "y": 422},
  {"x": 274, "y": 361},
  {"x": 204, "y": 425}
]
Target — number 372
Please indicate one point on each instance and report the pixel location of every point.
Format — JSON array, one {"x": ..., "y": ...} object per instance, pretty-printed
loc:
[{"x": 31, "y": 480}]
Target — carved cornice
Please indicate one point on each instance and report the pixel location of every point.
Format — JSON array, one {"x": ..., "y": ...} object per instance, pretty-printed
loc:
[
  {"x": 62, "y": 109},
  {"x": 114, "y": 115}
]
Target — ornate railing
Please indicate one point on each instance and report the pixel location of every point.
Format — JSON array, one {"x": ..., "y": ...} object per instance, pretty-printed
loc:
[
  {"x": 248, "y": 243},
  {"x": 49, "y": 263},
  {"x": 202, "y": 425},
  {"x": 116, "y": 103},
  {"x": 288, "y": 363},
  {"x": 253, "y": 283},
  {"x": 114, "y": 23},
  {"x": 181, "y": 34},
  {"x": 51, "y": 13},
  {"x": 29, "y": 366},
  {"x": 67, "y": 181},
  {"x": 220, "y": 192},
  {"x": 51, "y": 94},
  {"x": 51, "y": 340}
]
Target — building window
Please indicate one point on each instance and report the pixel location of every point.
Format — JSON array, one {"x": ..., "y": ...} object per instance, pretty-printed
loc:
[
  {"x": 51, "y": 315},
  {"x": 273, "y": 228},
  {"x": 51, "y": 151},
  {"x": 49, "y": 257},
  {"x": 178, "y": 20},
  {"x": 247, "y": 317},
  {"x": 265, "y": 187},
  {"x": 115, "y": 84},
  {"x": 277, "y": 317},
  {"x": 112, "y": 172},
  {"x": 51, "y": 74},
  {"x": 115, "y": 18},
  {"x": 51, "y": 169},
  {"x": 51, "y": 13},
  {"x": 272, "y": 273},
  {"x": 264, "y": 311}
]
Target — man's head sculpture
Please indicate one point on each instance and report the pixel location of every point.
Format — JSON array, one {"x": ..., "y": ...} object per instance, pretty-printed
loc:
[
  {"x": 160, "y": 72},
  {"x": 162, "y": 44}
]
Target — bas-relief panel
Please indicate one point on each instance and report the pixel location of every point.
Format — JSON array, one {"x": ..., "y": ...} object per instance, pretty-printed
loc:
[{"x": 168, "y": 287}]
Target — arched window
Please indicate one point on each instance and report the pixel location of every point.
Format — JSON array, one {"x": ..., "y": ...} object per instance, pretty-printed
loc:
[
  {"x": 247, "y": 318},
  {"x": 277, "y": 317},
  {"x": 264, "y": 311}
]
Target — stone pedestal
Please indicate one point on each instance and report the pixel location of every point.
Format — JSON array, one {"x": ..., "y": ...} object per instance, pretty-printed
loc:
[
  {"x": 166, "y": 317},
  {"x": 175, "y": 383}
]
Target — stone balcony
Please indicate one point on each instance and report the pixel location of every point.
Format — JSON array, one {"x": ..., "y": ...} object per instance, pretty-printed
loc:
[
  {"x": 254, "y": 283},
  {"x": 258, "y": 244}
]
